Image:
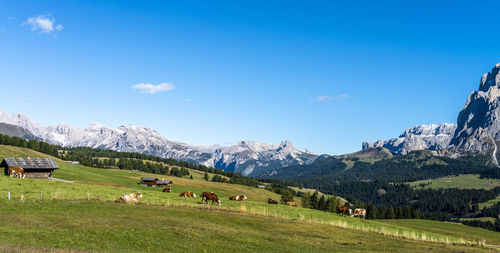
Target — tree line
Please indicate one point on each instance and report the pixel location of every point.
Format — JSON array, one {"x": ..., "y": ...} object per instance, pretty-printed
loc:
[{"x": 101, "y": 158}]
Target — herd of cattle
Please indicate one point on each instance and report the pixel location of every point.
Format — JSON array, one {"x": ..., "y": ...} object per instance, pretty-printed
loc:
[
  {"x": 210, "y": 196},
  {"x": 344, "y": 210}
]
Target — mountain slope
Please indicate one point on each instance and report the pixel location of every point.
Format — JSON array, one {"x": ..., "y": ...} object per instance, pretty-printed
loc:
[
  {"x": 247, "y": 157},
  {"x": 477, "y": 130},
  {"x": 433, "y": 137},
  {"x": 16, "y": 131},
  {"x": 479, "y": 121}
]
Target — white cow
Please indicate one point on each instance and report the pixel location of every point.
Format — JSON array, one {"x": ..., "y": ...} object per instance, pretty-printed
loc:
[
  {"x": 130, "y": 198},
  {"x": 359, "y": 212}
]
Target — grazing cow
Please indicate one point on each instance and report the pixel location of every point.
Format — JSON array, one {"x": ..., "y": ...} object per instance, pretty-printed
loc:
[
  {"x": 291, "y": 203},
  {"x": 206, "y": 196},
  {"x": 238, "y": 198},
  {"x": 343, "y": 210},
  {"x": 16, "y": 172},
  {"x": 359, "y": 212},
  {"x": 272, "y": 201},
  {"x": 187, "y": 194},
  {"x": 130, "y": 198}
]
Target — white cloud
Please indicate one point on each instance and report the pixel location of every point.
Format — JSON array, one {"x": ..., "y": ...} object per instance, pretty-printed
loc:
[
  {"x": 152, "y": 89},
  {"x": 188, "y": 100},
  {"x": 327, "y": 97},
  {"x": 43, "y": 24}
]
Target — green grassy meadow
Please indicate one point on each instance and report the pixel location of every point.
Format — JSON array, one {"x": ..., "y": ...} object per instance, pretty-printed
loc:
[
  {"x": 452, "y": 229},
  {"x": 83, "y": 216},
  {"x": 469, "y": 181},
  {"x": 111, "y": 227}
]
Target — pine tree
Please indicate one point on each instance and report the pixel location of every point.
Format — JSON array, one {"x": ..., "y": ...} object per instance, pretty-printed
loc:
[
  {"x": 205, "y": 176},
  {"x": 314, "y": 200},
  {"x": 381, "y": 212},
  {"x": 370, "y": 211},
  {"x": 389, "y": 213},
  {"x": 322, "y": 203},
  {"x": 398, "y": 213},
  {"x": 331, "y": 204},
  {"x": 306, "y": 200},
  {"x": 286, "y": 197}
]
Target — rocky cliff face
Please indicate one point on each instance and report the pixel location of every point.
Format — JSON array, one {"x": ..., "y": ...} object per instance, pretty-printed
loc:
[
  {"x": 479, "y": 121},
  {"x": 247, "y": 157},
  {"x": 477, "y": 129},
  {"x": 433, "y": 137}
]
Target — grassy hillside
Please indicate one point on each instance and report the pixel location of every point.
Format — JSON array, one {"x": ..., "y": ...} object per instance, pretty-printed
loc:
[
  {"x": 104, "y": 226},
  {"x": 452, "y": 229},
  {"x": 90, "y": 199},
  {"x": 311, "y": 191},
  {"x": 195, "y": 173},
  {"x": 469, "y": 181}
]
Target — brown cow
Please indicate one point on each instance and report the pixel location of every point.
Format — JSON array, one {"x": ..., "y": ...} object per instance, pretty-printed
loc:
[
  {"x": 239, "y": 197},
  {"x": 206, "y": 196},
  {"x": 291, "y": 203},
  {"x": 16, "y": 172},
  {"x": 343, "y": 210},
  {"x": 187, "y": 194},
  {"x": 272, "y": 201}
]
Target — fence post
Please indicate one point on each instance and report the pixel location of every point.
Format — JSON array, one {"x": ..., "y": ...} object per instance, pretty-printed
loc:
[
  {"x": 40, "y": 195},
  {"x": 379, "y": 229},
  {"x": 8, "y": 195}
]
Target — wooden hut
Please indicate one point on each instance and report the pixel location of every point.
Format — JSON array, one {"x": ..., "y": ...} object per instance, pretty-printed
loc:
[
  {"x": 164, "y": 183},
  {"x": 149, "y": 181},
  {"x": 41, "y": 168}
]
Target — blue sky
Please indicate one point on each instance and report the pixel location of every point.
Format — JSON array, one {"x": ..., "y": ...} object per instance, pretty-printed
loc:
[{"x": 325, "y": 75}]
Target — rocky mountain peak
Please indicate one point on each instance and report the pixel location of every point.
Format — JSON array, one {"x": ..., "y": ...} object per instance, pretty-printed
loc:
[
  {"x": 433, "y": 136},
  {"x": 479, "y": 121},
  {"x": 490, "y": 79},
  {"x": 243, "y": 156}
]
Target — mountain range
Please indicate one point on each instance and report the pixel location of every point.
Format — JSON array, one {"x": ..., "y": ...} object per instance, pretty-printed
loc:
[
  {"x": 246, "y": 157},
  {"x": 477, "y": 129},
  {"x": 477, "y": 132}
]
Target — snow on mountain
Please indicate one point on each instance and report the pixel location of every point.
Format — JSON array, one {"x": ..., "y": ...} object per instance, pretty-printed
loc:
[
  {"x": 433, "y": 137},
  {"x": 246, "y": 157},
  {"x": 477, "y": 129}
]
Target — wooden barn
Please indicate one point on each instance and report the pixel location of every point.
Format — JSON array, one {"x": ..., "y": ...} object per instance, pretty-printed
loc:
[
  {"x": 163, "y": 183},
  {"x": 149, "y": 181},
  {"x": 155, "y": 182},
  {"x": 41, "y": 168}
]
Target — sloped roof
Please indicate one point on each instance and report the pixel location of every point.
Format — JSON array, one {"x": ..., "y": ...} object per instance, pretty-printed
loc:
[
  {"x": 149, "y": 178},
  {"x": 164, "y": 182},
  {"x": 31, "y": 163}
]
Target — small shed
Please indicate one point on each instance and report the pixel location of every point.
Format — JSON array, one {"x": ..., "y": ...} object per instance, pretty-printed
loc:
[
  {"x": 41, "y": 168},
  {"x": 163, "y": 183},
  {"x": 149, "y": 181},
  {"x": 261, "y": 186}
]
